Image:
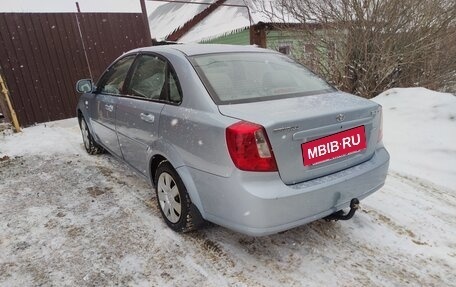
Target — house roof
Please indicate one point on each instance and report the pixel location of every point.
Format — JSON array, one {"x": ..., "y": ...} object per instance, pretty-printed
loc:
[
  {"x": 222, "y": 20},
  {"x": 165, "y": 17}
]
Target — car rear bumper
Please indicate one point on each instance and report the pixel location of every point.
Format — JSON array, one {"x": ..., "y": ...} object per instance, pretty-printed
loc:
[{"x": 259, "y": 204}]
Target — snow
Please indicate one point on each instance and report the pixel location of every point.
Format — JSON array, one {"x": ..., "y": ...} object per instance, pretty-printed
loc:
[
  {"x": 60, "y": 137},
  {"x": 67, "y": 218},
  {"x": 214, "y": 25},
  {"x": 420, "y": 133},
  {"x": 164, "y": 18}
]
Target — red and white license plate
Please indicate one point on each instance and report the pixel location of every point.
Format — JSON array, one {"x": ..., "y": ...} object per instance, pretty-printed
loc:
[{"x": 334, "y": 146}]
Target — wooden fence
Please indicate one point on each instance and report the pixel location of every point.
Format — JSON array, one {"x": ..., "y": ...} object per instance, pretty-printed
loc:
[{"x": 42, "y": 55}]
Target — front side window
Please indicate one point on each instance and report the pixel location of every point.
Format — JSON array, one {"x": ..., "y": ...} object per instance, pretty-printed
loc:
[
  {"x": 114, "y": 78},
  {"x": 248, "y": 77}
]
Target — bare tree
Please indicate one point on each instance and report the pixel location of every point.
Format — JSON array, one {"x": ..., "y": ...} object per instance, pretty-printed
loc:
[{"x": 367, "y": 46}]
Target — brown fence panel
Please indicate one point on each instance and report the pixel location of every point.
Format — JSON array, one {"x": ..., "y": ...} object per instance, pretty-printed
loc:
[{"x": 42, "y": 55}]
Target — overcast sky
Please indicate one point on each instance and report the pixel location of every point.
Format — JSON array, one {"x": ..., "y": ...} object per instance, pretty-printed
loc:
[{"x": 70, "y": 6}]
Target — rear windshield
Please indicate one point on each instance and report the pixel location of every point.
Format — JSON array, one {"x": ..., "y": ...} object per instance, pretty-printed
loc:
[{"x": 250, "y": 77}]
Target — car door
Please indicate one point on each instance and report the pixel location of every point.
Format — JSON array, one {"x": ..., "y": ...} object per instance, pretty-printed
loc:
[
  {"x": 138, "y": 113},
  {"x": 104, "y": 103}
]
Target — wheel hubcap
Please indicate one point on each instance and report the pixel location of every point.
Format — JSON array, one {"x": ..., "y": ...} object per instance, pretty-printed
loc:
[
  {"x": 169, "y": 197},
  {"x": 85, "y": 134}
]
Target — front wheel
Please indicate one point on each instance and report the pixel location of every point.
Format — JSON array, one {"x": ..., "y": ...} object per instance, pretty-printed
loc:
[
  {"x": 173, "y": 200},
  {"x": 90, "y": 145}
]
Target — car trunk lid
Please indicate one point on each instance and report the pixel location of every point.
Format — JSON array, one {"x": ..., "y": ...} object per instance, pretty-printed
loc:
[{"x": 294, "y": 123}]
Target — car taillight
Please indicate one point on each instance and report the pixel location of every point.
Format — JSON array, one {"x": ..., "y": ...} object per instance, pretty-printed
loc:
[{"x": 249, "y": 147}]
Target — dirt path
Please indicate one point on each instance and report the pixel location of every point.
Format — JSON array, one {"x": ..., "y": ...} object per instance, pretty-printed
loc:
[{"x": 77, "y": 220}]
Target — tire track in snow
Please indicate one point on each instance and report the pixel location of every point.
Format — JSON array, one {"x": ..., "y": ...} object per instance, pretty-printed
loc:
[
  {"x": 439, "y": 192},
  {"x": 127, "y": 228}
]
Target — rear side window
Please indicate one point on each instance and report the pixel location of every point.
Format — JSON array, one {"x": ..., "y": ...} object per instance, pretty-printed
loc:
[
  {"x": 148, "y": 78},
  {"x": 113, "y": 79},
  {"x": 249, "y": 77},
  {"x": 175, "y": 94},
  {"x": 154, "y": 79}
]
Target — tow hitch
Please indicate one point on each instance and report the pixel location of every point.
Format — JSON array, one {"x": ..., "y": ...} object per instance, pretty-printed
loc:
[{"x": 339, "y": 215}]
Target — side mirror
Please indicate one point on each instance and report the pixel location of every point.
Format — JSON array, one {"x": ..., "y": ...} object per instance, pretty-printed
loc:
[{"x": 84, "y": 86}]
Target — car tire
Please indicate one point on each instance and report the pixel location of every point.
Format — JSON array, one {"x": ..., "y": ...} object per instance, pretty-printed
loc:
[
  {"x": 173, "y": 200},
  {"x": 89, "y": 143}
]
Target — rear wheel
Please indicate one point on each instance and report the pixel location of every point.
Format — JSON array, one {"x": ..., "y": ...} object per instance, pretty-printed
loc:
[
  {"x": 173, "y": 200},
  {"x": 90, "y": 145}
]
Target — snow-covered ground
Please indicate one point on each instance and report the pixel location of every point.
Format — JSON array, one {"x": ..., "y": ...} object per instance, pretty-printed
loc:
[
  {"x": 420, "y": 133},
  {"x": 70, "y": 219}
]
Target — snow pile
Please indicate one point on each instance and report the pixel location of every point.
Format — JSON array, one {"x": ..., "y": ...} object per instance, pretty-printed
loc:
[
  {"x": 419, "y": 128},
  {"x": 59, "y": 137}
]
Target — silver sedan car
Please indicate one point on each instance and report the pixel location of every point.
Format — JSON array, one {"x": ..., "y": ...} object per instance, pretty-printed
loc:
[{"x": 235, "y": 135}]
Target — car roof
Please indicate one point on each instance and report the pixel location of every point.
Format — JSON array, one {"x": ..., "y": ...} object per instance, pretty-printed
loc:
[{"x": 200, "y": 49}]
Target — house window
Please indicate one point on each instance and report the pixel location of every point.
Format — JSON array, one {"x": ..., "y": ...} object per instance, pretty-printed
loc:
[{"x": 285, "y": 49}]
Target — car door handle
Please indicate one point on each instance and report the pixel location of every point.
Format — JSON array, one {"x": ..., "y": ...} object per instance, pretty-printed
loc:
[
  {"x": 147, "y": 117},
  {"x": 109, "y": 108}
]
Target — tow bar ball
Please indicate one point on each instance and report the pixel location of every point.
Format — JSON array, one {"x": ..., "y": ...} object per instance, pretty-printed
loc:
[{"x": 339, "y": 215}]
